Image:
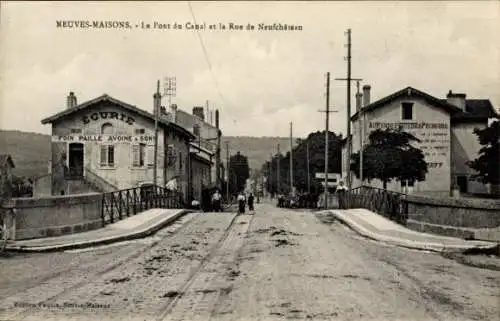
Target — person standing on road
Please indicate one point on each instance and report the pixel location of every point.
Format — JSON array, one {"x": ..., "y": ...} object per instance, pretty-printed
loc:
[
  {"x": 342, "y": 195},
  {"x": 216, "y": 201},
  {"x": 241, "y": 203},
  {"x": 250, "y": 202}
]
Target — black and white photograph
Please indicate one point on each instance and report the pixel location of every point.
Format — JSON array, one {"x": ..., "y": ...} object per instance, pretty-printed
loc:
[{"x": 250, "y": 160}]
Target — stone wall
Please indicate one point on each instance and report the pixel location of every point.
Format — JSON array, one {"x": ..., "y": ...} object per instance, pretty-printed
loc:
[{"x": 54, "y": 215}]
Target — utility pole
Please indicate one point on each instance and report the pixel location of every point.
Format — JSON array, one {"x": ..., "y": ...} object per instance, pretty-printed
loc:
[
  {"x": 308, "y": 168},
  {"x": 227, "y": 172},
  {"x": 348, "y": 139},
  {"x": 157, "y": 105},
  {"x": 169, "y": 90},
  {"x": 361, "y": 132},
  {"x": 291, "y": 159},
  {"x": 270, "y": 177},
  {"x": 278, "y": 156},
  {"x": 327, "y": 131},
  {"x": 217, "y": 152}
]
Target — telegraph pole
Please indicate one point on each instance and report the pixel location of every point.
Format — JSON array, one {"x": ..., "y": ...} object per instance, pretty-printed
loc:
[
  {"x": 308, "y": 173},
  {"x": 227, "y": 172},
  {"x": 157, "y": 105},
  {"x": 217, "y": 151},
  {"x": 327, "y": 130},
  {"x": 361, "y": 133},
  {"x": 348, "y": 139},
  {"x": 270, "y": 177},
  {"x": 278, "y": 171},
  {"x": 169, "y": 90},
  {"x": 291, "y": 159}
]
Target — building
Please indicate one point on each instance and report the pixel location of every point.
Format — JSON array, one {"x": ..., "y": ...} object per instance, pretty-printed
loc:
[
  {"x": 6, "y": 167},
  {"x": 203, "y": 150},
  {"x": 444, "y": 127},
  {"x": 111, "y": 144}
]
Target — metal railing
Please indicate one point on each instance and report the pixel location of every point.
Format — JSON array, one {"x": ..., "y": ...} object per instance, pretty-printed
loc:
[
  {"x": 392, "y": 205},
  {"x": 124, "y": 203}
]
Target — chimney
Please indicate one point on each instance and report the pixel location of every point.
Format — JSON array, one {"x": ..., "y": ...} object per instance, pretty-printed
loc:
[
  {"x": 366, "y": 95},
  {"x": 359, "y": 96},
  {"x": 71, "y": 100},
  {"x": 173, "y": 110},
  {"x": 198, "y": 111},
  {"x": 456, "y": 99}
]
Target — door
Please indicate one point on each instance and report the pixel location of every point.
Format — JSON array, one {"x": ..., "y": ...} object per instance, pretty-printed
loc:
[
  {"x": 75, "y": 160},
  {"x": 462, "y": 183}
]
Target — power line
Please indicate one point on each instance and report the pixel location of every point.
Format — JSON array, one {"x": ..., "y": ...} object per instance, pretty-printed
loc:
[{"x": 205, "y": 52}]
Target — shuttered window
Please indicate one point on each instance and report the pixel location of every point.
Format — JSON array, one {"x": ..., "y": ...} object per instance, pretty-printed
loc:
[
  {"x": 150, "y": 155},
  {"x": 138, "y": 155},
  {"x": 107, "y": 157},
  {"x": 180, "y": 161}
]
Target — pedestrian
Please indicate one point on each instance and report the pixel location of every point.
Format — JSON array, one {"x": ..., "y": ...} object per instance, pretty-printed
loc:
[
  {"x": 342, "y": 195},
  {"x": 216, "y": 201},
  {"x": 250, "y": 202},
  {"x": 241, "y": 203}
]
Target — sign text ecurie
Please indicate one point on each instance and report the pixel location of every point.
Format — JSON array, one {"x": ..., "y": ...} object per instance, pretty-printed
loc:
[{"x": 108, "y": 115}]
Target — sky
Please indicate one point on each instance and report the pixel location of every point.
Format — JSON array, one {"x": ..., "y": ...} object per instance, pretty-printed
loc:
[{"x": 259, "y": 80}]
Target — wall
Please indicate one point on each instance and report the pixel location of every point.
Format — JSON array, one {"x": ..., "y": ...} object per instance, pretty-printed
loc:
[
  {"x": 435, "y": 141},
  {"x": 55, "y": 215},
  {"x": 122, "y": 174},
  {"x": 200, "y": 176},
  {"x": 207, "y": 131},
  {"x": 465, "y": 147},
  {"x": 452, "y": 217}
]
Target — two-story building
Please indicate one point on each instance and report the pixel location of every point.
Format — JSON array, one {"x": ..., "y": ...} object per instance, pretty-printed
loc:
[
  {"x": 111, "y": 143},
  {"x": 443, "y": 126}
]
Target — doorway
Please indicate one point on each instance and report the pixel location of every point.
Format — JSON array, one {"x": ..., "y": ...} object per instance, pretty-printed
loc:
[
  {"x": 462, "y": 183},
  {"x": 75, "y": 161}
]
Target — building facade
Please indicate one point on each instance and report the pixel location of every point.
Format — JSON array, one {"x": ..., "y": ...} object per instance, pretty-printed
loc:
[
  {"x": 6, "y": 167},
  {"x": 443, "y": 126},
  {"x": 110, "y": 141}
]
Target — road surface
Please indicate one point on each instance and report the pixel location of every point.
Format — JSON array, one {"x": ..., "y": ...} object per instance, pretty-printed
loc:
[{"x": 275, "y": 265}]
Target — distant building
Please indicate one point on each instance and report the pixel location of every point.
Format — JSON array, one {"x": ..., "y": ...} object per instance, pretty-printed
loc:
[
  {"x": 444, "y": 126},
  {"x": 111, "y": 143},
  {"x": 6, "y": 167}
]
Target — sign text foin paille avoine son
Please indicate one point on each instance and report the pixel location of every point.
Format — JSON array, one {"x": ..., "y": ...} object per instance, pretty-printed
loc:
[{"x": 103, "y": 138}]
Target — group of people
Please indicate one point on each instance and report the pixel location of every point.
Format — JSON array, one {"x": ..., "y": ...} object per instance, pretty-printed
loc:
[{"x": 243, "y": 201}]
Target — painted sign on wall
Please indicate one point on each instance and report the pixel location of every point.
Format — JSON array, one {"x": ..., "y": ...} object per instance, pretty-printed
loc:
[
  {"x": 434, "y": 139},
  {"x": 103, "y": 138}
]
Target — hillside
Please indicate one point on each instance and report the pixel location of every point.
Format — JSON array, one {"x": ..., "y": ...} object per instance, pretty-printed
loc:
[{"x": 31, "y": 151}]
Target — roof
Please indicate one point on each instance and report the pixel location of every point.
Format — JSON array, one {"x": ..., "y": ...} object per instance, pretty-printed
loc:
[
  {"x": 131, "y": 108},
  {"x": 476, "y": 110},
  {"x": 201, "y": 159},
  {"x": 4, "y": 159},
  {"x": 406, "y": 92}
]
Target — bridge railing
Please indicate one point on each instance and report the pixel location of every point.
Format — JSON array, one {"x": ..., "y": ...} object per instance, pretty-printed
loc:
[
  {"x": 124, "y": 203},
  {"x": 390, "y": 204}
]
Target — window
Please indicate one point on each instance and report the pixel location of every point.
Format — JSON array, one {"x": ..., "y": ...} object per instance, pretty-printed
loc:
[
  {"x": 76, "y": 130},
  {"x": 196, "y": 130},
  {"x": 407, "y": 111},
  {"x": 180, "y": 161},
  {"x": 107, "y": 129},
  {"x": 107, "y": 155},
  {"x": 138, "y": 153},
  {"x": 150, "y": 156},
  {"x": 405, "y": 183},
  {"x": 140, "y": 131}
]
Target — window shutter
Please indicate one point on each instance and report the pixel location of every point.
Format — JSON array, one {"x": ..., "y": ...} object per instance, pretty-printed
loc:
[
  {"x": 111, "y": 155},
  {"x": 142, "y": 154},
  {"x": 150, "y": 158},
  {"x": 135, "y": 155},
  {"x": 104, "y": 156}
]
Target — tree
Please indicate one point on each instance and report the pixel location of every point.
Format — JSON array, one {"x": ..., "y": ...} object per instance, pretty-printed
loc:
[
  {"x": 316, "y": 142},
  {"x": 487, "y": 163},
  {"x": 390, "y": 155},
  {"x": 238, "y": 172}
]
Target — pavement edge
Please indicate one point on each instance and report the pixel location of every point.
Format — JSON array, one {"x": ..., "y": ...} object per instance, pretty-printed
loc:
[{"x": 104, "y": 241}]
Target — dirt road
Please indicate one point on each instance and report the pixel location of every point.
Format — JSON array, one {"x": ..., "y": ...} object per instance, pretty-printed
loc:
[{"x": 274, "y": 265}]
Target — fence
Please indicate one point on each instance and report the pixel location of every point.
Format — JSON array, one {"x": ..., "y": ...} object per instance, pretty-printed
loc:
[
  {"x": 124, "y": 203},
  {"x": 392, "y": 205}
]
